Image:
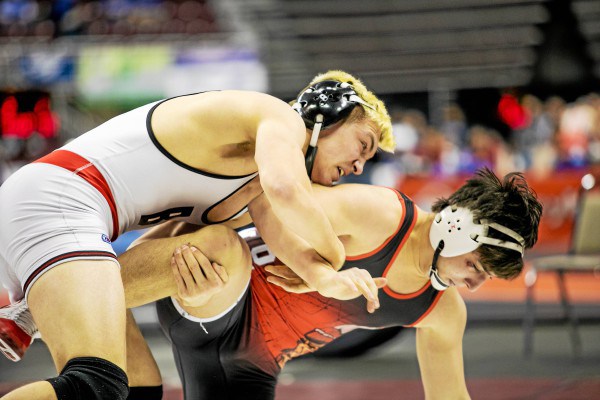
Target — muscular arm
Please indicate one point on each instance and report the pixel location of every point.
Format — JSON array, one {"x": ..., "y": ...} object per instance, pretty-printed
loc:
[
  {"x": 280, "y": 161},
  {"x": 439, "y": 349},
  {"x": 308, "y": 265},
  {"x": 292, "y": 250}
]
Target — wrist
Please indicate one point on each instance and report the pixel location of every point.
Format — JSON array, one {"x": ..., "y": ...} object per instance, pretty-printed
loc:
[{"x": 321, "y": 280}]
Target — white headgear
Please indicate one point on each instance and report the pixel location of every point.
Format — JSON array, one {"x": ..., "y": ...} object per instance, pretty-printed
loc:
[{"x": 456, "y": 228}]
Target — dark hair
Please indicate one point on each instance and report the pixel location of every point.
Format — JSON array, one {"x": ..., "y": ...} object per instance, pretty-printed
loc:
[{"x": 511, "y": 203}]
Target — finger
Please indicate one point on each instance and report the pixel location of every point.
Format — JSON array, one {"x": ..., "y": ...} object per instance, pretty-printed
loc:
[
  {"x": 192, "y": 264},
  {"x": 221, "y": 271},
  {"x": 372, "y": 288},
  {"x": 292, "y": 286},
  {"x": 380, "y": 282},
  {"x": 183, "y": 268},
  {"x": 181, "y": 288},
  {"x": 364, "y": 290},
  {"x": 205, "y": 265}
]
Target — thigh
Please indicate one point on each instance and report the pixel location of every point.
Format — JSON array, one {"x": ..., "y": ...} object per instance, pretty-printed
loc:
[
  {"x": 79, "y": 308},
  {"x": 49, "y": 216}
]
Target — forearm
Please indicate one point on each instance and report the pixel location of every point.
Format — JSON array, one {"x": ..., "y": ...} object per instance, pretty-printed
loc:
[
  {"x": 441, "y": 365},
  {"x": 288, "y": 188},
  {"x": 288, "y": 247},
  {"x": 304, "y": 217}
]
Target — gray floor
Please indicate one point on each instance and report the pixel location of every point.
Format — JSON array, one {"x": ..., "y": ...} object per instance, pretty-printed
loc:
[{"x": 491, "y": 350}]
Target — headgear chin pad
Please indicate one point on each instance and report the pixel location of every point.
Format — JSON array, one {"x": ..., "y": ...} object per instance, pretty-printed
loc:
[{"x": 332, "y": 99}]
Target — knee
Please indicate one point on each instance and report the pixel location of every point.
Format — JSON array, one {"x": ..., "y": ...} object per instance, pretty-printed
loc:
[
  {"x": 90, "y": 378},
  {"x": 225, "y": 246}
]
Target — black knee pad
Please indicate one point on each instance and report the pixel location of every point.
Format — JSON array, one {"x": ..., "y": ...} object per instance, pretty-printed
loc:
[
  {"x": 90, "y": 378},
  {"x": 145, "y": 393}
]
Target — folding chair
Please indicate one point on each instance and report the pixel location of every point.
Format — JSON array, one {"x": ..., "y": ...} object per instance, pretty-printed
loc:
[{"x": 583, "y": 257}]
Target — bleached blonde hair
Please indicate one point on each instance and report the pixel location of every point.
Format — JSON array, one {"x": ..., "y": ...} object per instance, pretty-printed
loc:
[{"x": 378, "y": 114}]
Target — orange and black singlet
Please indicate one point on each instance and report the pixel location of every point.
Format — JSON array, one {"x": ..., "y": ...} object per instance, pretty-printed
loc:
[{"x": 270, "y": 326}]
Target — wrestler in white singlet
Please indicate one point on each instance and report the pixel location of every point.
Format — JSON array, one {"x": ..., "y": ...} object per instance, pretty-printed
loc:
[{"x": 116, "y": 177}]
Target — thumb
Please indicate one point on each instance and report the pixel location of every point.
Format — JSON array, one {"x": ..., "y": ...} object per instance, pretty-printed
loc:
[{"x": 380, "y": 282}]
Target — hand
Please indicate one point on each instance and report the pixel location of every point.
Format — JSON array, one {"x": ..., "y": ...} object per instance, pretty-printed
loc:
[
  {"x": 342, "y": 285},
  {"x": 351, "y": 283},
  {"x": 287, "y": 279},
  {"x": 198, "y": 280}
]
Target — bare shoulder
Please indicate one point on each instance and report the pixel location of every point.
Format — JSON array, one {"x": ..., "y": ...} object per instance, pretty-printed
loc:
[
  {"x": 247, "y": 103},
  {"x": 356, "y": 209},
  {"x": 229, "y": 105}
]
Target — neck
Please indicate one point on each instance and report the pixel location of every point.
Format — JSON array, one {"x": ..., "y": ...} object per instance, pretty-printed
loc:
[{"x": 425, "y": 249}]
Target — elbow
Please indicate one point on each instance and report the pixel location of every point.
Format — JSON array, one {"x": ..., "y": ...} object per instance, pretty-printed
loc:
[{"x": 279, "y": 188}]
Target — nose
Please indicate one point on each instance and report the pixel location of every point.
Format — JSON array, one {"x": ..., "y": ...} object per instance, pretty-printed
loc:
[{"x": 357, "y": 167}]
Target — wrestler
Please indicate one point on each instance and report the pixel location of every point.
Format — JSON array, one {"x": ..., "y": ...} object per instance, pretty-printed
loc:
[
  {"x": 193, "y": 158},
  {"x": 233, "y": 329}
]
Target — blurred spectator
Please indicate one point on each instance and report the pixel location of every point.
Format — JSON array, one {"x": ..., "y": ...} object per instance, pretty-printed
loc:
[
  {"x": 454, "y": 125},
  {"x": 577, "y": 123},
  {"x": 486, "y": 148},
  {"x": 48, "y": 19},
  {"x": 539, "y": 128}
]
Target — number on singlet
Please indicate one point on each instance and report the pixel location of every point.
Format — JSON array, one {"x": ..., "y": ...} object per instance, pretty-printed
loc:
[
  {"x": 166, "y": 215},
  {"x": 261, "y": 255}
]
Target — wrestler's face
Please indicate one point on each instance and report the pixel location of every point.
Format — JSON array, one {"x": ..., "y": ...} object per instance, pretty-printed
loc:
[
  {"x": 463, "y": 271},
  {"x": 343, "y": 150}
]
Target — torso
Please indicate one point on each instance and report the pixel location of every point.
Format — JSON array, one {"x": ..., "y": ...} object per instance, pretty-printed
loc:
[
  {"x": 292, "y": 324},
  {"x": 160, "y": 166}
]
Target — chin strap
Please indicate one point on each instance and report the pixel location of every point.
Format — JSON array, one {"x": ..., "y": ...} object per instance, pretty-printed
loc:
[
  {"x": 311, "y": 152},
  {"x": 436, "y": 281}
]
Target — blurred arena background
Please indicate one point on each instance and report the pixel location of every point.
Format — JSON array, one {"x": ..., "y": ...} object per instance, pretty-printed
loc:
[{"x": 508, "y": 84}]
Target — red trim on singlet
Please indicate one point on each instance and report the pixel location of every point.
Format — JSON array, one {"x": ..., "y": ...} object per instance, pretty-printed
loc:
[
  {"x": 390, "y": 292},
  {"x": 80, "y": 166},
  {"x": 431, "y": 307},
  {"x": 62, "y": 257},
  {"x": 365, "y": 255},
  {"x": 386, "y": 288},
  {"x": 404, "y": 296}
]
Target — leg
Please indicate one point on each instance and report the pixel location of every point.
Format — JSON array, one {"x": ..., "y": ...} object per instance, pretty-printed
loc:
[
  {"x": 148, "y": 276},
  {"x": 144, "y": 376},
  {"x": 79, "y": 308},
  {"x": 146, "y": 268}
]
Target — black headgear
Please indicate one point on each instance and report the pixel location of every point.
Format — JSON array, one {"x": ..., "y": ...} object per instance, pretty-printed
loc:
[{"x": 321, "y": 106}]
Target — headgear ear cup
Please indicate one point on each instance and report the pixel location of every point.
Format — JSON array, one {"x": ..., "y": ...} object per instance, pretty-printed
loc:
[
  {"x": 323, "y": 105},
  {"x": 456, "y": 229},
  {"x": 461, "y": 233}
]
